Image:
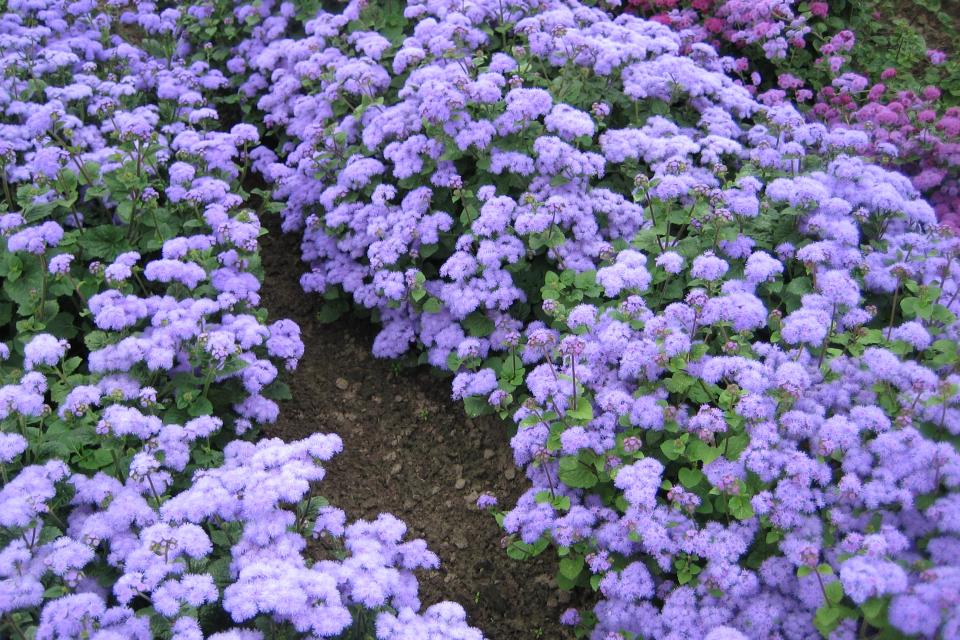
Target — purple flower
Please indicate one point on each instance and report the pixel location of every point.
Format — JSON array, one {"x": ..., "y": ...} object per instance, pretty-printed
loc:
[
  {"x": 486, "y": 501},
  {"x": 468, "y": 384},
  {"x": 43, "y": 349},
  {"x": 839, "y": 288},
  {"x": 864, "y": 578},
  {"x": 724, "y": 633},
  {"x": 570, "y": 617},
  {"x": 569, "y": 123},
  {"x": 670, "y": 261},
  {"x": 36, "y": 239},
  {"x": 11, "y": 446},
  {"x": 640, "y": 482},
  {"x": 60, "y": 264},
  {"x": 936, "y": 57},
  {"x": 708, "y": 267},
  {"x": 628, "y": 272}
]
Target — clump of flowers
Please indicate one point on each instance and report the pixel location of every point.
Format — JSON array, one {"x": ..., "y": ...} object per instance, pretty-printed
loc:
[
  {"x": 783, "y": 49},
  {"x": 727, "y": 341},
  {"x": 134, "y": 351}
]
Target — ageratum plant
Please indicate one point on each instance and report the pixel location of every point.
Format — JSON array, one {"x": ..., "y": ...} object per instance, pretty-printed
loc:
[
  {"x": 856, "y": 65},
  {"x": 134, "y": 351},
  {"x": 728, "y": 342}
]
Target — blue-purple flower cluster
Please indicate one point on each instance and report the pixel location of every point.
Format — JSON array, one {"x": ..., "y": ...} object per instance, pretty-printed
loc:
[
  {"x": 728, "y": 343},
  {"x": 134, "y": 350}
]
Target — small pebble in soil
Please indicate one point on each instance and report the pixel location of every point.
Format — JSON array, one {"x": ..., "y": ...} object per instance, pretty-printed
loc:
[
  {"x": 342, "y": 384},
  {"x": 487, "y": 454},
  {"x": 460, "y": 484},
  {"x": 510, "y": 473}
]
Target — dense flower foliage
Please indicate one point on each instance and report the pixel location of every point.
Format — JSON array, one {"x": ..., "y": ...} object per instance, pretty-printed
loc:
[
  {"x": 727, "y": 338},
  {"x": 728, "y": 342},
  {"x": 135, "y": 352},
  {"x": 787, "y": 49}
]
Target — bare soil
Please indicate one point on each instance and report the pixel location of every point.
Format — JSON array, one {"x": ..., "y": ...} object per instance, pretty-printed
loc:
[{"x": 411, "y": 451}]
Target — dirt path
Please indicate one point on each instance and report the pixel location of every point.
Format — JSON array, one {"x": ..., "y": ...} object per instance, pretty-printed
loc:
[{"x": 411, "y": 451}]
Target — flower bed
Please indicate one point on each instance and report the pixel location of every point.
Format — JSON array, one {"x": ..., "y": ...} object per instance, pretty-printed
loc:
[
  {"x": 138, "y": 365},
  {"x": 726, "y": 339},
  {"x": 719, "y": 331},
  {"x": 849, "y": 67}
]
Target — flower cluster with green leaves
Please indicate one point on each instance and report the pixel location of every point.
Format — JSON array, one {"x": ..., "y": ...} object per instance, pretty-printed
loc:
[
  {"x": 137, "y": 362},
  {"x": 726, "y": 339}
]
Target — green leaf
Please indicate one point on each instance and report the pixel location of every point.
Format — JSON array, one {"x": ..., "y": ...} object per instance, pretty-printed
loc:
[
  {"x": 575, "y": 474},
  {"x": 331, "y": 311},
  {"x": 827, "y": 619},
  {"x": 799, "y": 286},
  {"x": 571, "y": 566},
  {"x": 277, "y": 390},
  {"x": 909, "y": 306},
  {"x": 55, "y": 591},
  {"x": 595, "y": 580},
  {"x": 478, "y": 325},
  {"x": 476, "y": 406},
  {"x": 105, "y": 241},
  {"x": 62, "y": 325},
  {"x": 71, "y": 364},
  {"x": 679, "y": 383},
  {"x": 834, "y": 592},
  {"x": 673, "y": 449},
  {"x": 875, "y": 611},
  {"x": 200, "y": 407},
  {"x": 432, "y": 305},
  {"x": 735, "y": 445},
  {"x": 740, "y": 507},
  {"x": 519, "y": 550},
  {"x": 25, "y": 288},
  {"x": 95, "y": 459},
  {"x": 698, "y": 450},
  {"x": 690, "y": 477},
  {"x": 95, "y": 340},
  {"x": 583, "y": 411},
  {"x": 699, "y": 395}
]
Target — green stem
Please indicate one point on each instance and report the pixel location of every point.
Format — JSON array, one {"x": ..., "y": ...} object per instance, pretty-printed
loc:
[
  {"x": 16, "y": 627},
  {"x": 573, "y": 374},
  {"x": 43, "y": 287},
  {"x": 6, "y": 190},
  {"x": 153, "y": 490},
  {"x": 826, "y": 341},
  {"x": 76, "y": 288},
  {"x": 823, "y": 589},
  {"x": 116, "y": 464},
  {"x": 893, "y": 310},
  {"x": 206, "y": 383}
]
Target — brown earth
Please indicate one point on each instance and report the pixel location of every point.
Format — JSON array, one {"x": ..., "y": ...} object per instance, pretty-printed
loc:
[{"x": 411, "y": 451}]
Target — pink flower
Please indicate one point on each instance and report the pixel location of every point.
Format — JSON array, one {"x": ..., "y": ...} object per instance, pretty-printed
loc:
[{"x": 713, "y": 25}]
